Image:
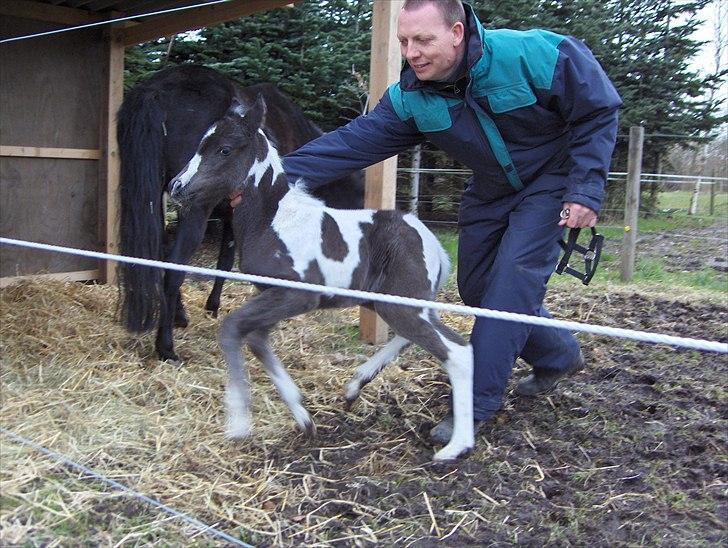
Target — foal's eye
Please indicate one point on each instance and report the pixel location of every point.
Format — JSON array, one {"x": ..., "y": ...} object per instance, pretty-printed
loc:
[{"x": 225, "y": 151}]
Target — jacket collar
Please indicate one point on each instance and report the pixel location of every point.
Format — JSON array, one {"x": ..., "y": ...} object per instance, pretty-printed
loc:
[{"x": 408, "y": 81}]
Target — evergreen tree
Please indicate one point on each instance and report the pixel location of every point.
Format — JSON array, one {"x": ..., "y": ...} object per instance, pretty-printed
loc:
[{"x": 318, "y": 53}]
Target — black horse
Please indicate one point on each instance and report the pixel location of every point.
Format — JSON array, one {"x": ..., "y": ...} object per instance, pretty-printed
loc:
[{"x": 160, "y": 124}]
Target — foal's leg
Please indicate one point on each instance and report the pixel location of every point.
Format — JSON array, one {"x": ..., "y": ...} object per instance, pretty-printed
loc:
[
  {"x": 260, "y": 313},
  {"x": 423, "y": 327},
  {"x": 371, "y": 368},
  {"x": 260, "y": 347},
  {"x": 225, "y": 260}
]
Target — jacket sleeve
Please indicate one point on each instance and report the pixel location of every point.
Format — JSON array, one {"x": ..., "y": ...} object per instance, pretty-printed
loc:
[
  {"x": 587, "y": 100},
  {"x": 364, "y": 141}
]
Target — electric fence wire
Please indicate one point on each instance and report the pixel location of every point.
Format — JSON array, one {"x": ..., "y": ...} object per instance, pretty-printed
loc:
[
  {"x": 202, "y": 527},
  {"x": 643, "y": 336}
]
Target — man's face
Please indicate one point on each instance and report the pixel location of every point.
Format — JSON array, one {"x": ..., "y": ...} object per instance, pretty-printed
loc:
[{"x": 430, "y": 46}]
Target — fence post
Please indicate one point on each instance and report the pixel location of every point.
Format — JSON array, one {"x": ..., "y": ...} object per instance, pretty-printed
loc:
[
  {"x": 712, "y": 197},
  {"x": 695, "y": 197},
  {"x": 632, "y": 201},
  {"x": 415, "y": 179}
]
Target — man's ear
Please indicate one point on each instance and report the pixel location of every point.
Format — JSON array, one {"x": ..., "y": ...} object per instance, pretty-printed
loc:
[{"x": 458, "y": 34}]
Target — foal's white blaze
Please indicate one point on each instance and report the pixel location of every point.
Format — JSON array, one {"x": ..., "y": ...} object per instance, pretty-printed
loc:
[
  {"x": 298, "y": 223},
  {"x": 272, "y": 160},
  {"x": 194, "y": 164},
  {"x": 189, "y": 172}
]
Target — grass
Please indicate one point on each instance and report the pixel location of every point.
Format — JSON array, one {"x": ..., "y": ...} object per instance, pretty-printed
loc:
[
  {"x": 680, "y": 199},
  {"x": 649, "y": 270}
]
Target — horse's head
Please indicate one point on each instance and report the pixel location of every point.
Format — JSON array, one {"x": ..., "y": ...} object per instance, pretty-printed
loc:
[{"x": 224, "y": 158}]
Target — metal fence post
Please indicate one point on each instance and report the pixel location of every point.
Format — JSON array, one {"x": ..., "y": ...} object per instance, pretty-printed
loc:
[{"x": 632, "y": 201}]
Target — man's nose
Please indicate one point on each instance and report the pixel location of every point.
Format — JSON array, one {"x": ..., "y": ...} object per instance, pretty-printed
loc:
[{"x": 411, "y": 52}]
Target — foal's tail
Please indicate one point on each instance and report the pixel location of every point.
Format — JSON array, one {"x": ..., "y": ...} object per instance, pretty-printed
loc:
[
  {"x": 444, "y": 267},
  {"x": 141, "y": 140}
]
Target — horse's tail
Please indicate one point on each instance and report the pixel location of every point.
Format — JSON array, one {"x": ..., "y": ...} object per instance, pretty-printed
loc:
[
  {"x": 141, "y": 140},
  {"x": 444, "y": 267}
]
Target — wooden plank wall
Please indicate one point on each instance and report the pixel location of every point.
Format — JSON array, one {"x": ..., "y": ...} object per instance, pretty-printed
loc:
[{"x": 51, "y": 96}]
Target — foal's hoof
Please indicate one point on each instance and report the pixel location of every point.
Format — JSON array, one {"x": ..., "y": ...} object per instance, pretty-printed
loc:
[
  {"x": 238, "y": 430},
  {"x": 449, "y": 453},
  {"x": 353, "y": 389},
  {"x": 308, "y": 429},
  {"x": 349, "y": 402}
]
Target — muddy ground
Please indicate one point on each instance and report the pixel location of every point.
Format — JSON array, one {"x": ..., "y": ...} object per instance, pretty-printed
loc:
[
  {"x": 685, "y": 250},
  {"x": 633, "y": 451}
]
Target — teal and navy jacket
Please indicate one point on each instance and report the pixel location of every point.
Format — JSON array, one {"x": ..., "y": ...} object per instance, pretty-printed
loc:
[{"x": 531, "y": 103}]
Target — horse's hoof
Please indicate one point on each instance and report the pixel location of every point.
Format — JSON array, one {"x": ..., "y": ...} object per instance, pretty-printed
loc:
[
  {"x": 181, "y": 321},
  {"x": 309, "y": 429},
  {"x": 238, "y": 432},
  {"x": 448, "y": 453},
  {"x": 353, "y": 389},
  {"x": 170, "y": 358},
  {"x": 211, "y": 309}
]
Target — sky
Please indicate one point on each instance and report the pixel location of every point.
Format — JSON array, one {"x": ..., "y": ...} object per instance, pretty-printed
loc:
[{"x": 705, "y": 61}]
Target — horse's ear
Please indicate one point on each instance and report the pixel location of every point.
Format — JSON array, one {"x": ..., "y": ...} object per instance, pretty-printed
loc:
[
  {"x": 255, "y": 116},
  {"x": 237, "y": 107}
]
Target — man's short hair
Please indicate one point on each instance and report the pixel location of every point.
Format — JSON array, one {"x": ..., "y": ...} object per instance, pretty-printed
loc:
[{"x": 452, "y": 10}]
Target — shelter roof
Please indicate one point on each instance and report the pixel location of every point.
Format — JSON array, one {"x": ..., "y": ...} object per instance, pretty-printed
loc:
[{"x": 79, "y": 12}]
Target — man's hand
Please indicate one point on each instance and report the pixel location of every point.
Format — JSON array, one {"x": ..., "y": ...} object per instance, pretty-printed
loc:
[{"x": 577, "y": 216}]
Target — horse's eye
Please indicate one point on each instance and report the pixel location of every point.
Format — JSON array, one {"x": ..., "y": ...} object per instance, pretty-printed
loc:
[{"x": 225, "y": 151}]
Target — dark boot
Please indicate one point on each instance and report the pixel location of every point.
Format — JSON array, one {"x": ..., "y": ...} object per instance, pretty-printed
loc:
[{"x": 542, "y": 381}]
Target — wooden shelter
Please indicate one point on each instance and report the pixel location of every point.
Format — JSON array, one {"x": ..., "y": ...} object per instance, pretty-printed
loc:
[{"x": 59, "y": 95}]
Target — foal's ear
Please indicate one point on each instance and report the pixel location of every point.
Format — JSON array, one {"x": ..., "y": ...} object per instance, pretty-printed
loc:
[
  {"x": 237, "y": 107},
  {"x": 255, "y": 115}
]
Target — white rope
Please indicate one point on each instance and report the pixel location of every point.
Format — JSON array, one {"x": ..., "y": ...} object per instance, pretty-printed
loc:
[
  {"x": 643, "y": 336},
  {"x": 109, "y": 21},
  {"x": 204, "y": 528}
]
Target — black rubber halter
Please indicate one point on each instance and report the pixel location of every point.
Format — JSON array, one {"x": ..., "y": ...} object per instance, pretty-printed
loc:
[{"x": 591, "y": 255}]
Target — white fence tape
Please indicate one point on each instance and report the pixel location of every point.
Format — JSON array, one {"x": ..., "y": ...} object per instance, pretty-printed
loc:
[{"x": 697, "y": 344}]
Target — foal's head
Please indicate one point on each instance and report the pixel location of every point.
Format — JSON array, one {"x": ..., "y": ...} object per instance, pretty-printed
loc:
[{"x": 225, "y": 158}]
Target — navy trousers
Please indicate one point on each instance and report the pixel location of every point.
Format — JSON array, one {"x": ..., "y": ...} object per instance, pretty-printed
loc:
[{"x": 508, "y": 249}]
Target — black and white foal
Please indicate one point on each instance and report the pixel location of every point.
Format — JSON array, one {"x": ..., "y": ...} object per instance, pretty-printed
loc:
[{"x": 282, "y": 231}]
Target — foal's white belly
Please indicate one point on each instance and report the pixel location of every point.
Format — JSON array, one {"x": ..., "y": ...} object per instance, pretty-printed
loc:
[{"x": 298, "y": 223}]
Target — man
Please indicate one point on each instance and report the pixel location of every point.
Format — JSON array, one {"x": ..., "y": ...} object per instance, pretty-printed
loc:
[{"x": 535, "y": 117}]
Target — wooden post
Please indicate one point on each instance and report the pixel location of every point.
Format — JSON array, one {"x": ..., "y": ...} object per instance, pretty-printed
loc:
[
  {"x": 415, "y": 180},
  {"x": 711, "y": 207},
  {"x": 111, "y": 163},
  {"x": 632, "y": 201},
  {"x": 381, "y": 179},
  {"x": 695, "y": 197}
]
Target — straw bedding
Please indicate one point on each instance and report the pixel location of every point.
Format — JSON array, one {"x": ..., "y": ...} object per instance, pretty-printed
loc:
[{"x": 74, "y": 381}]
